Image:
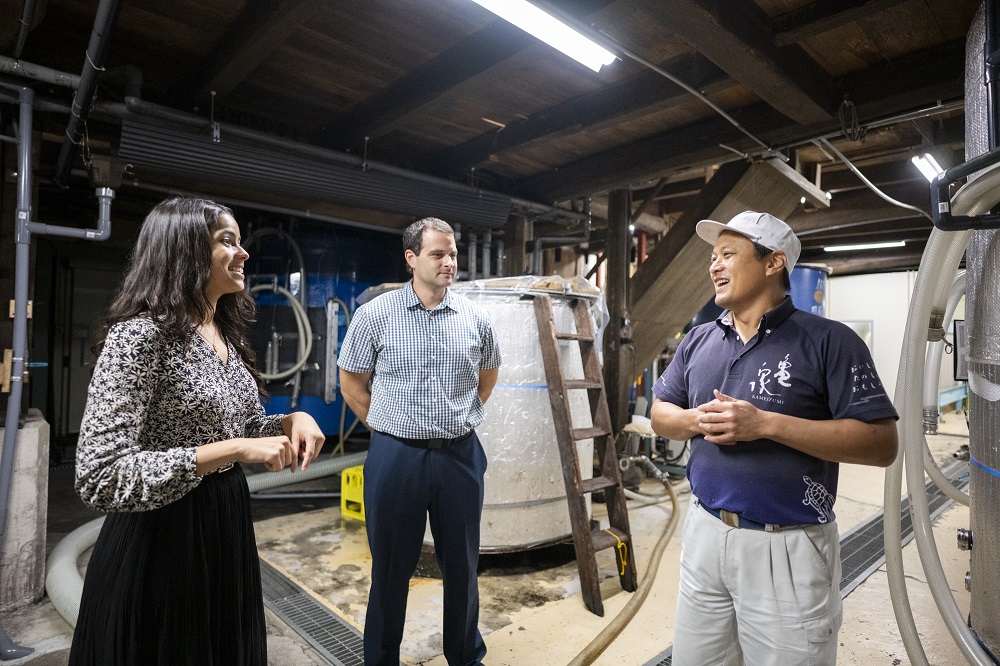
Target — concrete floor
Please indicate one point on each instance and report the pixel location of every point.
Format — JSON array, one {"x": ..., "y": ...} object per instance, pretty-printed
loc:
[{"x": 531, "y": 610}]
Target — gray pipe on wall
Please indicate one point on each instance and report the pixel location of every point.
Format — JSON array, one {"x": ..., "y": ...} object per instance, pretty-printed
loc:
[
  {"x": 8, "y": 650},
  {"x": 24, "y": 228}
]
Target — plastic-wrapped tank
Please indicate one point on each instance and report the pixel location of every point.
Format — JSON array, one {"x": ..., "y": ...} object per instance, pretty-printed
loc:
[{"x": 525, "y": 498}]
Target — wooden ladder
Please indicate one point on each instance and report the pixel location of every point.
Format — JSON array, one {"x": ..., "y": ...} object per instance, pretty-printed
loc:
[{"x": 586, "y": 541}]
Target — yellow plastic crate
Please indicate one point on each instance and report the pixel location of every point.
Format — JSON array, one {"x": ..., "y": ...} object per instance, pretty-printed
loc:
[{"x": 352, "y": 493}]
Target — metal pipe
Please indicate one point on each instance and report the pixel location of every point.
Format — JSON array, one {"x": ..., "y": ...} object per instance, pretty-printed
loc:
[
  {"x": 24, "y": 228},
  {"x": 990, "y": 74},
  {"x": 473, "y": 250},
  {"x": 103, "y": 231},
  {"x": 501, "y": 256},
  {"x": 26, "y": 16},
  {"x": 561, "y": 241},
  {"x": 38, "y": 72},
  {"x": 104, "y": 21},
  {"x": 144, "y": 108},
  {"x": 487, "y": 252},
  {"x": 8, "y": 650},
  {"x": 254, "y": 205}
]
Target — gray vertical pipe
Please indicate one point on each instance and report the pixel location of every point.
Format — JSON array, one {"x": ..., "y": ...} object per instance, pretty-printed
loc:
[
  {"x": 26, "y": 18},
  {"x": 487, "y": 250},
  {"x": 473, "y": 252},
  {"x": 8, "y": 650},
  {"x": 104, "y": 22}
]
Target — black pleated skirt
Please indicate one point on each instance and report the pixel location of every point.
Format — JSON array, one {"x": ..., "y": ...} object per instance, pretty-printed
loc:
[{"x": 176, "y": 585}]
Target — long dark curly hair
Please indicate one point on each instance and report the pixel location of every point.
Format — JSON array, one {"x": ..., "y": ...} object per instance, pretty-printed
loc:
[{"x": 168, "y": 269}]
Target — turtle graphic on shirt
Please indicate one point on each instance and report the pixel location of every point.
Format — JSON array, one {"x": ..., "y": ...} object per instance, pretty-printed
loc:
[{"x": 819, "y": 498}]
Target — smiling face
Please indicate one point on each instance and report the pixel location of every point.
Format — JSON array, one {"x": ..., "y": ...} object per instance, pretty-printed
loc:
[
  {"x": 434, "y": 268},
  {"x": 740, "y": 277},
  {"x": 228, "y": 258}
]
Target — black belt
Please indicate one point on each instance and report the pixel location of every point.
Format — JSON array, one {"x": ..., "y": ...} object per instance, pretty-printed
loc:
[
  {"x": 738, "y": 521},
  {"x": 431, "y": 442}
]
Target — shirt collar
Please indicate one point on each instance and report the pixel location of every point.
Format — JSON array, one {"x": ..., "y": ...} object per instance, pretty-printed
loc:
[
  {"x": 411, "y": 299},
  {"x": 771, "y": 319}
]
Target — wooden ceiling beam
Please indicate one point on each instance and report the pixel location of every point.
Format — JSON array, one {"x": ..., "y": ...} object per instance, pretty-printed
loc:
[
  {"x": 824, "y": 15},
  {"x": 870, "y": 261},
  {"x": 940, "y": 78},
  {"x": 737, "y": 37},
  {"x": 396, "y": 104},
  {"x": 259, "y": 30},
  {"x": 634, "y": 97},
  {"x": 391, "y": 106},
  {"x": 691, "y": 145}
]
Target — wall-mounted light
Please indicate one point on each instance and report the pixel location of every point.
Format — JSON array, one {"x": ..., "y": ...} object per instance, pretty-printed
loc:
[
  {"x": 864, "y": 246},
  {"x": 927, "y": 165},
  {"x": 550, "y": 30}
]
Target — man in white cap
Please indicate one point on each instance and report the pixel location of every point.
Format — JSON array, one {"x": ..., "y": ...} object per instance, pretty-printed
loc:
[{"x": 772, "y": 399}]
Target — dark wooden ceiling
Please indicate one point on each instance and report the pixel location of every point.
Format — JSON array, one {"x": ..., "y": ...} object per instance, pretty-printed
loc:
[{"x": 444, "y": 88}]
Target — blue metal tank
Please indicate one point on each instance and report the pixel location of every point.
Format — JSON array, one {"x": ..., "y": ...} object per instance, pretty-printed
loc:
[{"x": 809, "y": 288}]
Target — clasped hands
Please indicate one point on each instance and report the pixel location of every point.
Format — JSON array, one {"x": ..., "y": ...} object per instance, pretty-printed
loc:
[
  {"x": 727, "y": 420},
  {"x": 303, "y": 439}
]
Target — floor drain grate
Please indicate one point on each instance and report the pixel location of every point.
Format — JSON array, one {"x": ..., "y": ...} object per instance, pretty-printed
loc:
[
  {"x": 338, "y": 642},
  {"x": 862, "y": 550}
]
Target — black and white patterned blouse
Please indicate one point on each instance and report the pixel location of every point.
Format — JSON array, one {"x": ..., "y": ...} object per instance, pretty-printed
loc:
[{"x": 151, "y": 401}]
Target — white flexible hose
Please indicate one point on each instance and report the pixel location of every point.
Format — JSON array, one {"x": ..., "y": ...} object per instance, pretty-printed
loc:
[
  {"x": 936, "y": 263},
  {"x": 940, "y": 261},
  {"x": 620, "y": 621},
  {"x": 646, "y": 500},
  {"x": 301, "y": 322},
  {"x": 913, "y": 444},
  {"x": 63, "y": 582},
  {"x": 931, "y": 381},
  {"x": 316, "y": 470}
]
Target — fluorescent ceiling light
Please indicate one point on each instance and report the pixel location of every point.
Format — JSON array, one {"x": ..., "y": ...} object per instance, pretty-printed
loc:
[
  {"x": 927, "y": 165},
  {"x": 863, "y": 246},
  {"x": 550, "y": 30}
]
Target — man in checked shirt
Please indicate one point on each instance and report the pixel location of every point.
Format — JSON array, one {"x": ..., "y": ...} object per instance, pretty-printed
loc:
[{"x": 433, "y": 359}]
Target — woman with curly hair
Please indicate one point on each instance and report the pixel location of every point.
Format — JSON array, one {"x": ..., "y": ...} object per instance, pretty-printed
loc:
[{"x": 172, "y": 407}]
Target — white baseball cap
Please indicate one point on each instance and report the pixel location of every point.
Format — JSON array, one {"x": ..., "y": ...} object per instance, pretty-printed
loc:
[{"x": 762, "y": 228}]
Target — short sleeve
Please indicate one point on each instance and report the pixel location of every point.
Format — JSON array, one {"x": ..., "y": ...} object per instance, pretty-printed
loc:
[
  {"x": 357, "y": 352},
  {"x": 855, "y": 389},
  {"x": 490, "y": 357},
  {"x": 672, "y": 384}
]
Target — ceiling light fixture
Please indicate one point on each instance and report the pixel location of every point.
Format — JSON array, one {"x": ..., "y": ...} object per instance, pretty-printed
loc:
[
  {"x": 550, "y": 30},
  {"x": 927, "y": 165},
  {"x": 864, "y": 246}
]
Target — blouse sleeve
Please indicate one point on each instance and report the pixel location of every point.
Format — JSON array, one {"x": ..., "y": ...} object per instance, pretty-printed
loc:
[
  {"x": 113, "y": 472},
  {"x": 260, "y": 424}
]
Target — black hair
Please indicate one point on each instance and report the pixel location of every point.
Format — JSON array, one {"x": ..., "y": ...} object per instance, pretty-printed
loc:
[
  {"x": 762, "y": 252},
  {"x": 168, "y": 269}
]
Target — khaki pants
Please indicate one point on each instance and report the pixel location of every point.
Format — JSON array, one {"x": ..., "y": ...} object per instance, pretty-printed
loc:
[{"x": 757, "y": 598}]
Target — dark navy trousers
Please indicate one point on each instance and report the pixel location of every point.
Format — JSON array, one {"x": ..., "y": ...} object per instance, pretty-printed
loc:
[{"x": 403, "y": 485}]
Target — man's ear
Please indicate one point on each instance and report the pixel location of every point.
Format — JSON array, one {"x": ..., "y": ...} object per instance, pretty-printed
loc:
[{"x": 776, "y": 262}]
